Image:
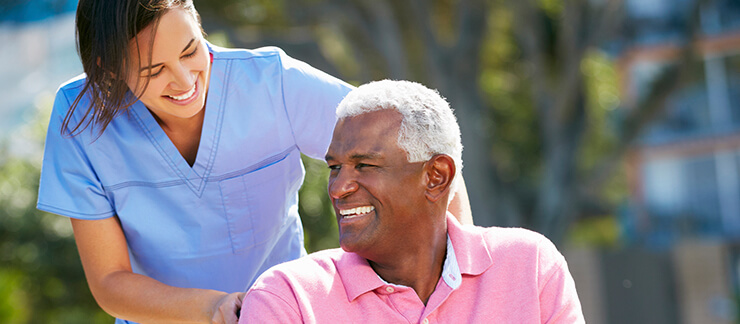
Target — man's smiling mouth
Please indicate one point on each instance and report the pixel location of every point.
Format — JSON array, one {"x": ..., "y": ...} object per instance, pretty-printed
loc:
[{"x": 355, "y": 212}]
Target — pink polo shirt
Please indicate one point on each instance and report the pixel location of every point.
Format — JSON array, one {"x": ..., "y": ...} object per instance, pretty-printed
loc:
[{"x": 508, "y": 276}]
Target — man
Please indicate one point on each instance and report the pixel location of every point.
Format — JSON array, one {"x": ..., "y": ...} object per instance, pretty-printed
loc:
[{"x": 395, "y": 157}]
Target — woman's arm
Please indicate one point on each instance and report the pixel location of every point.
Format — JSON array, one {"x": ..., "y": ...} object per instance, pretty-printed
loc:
[
  {"x": 460, "y": 204},
  {"x": 127, "y": 295}
]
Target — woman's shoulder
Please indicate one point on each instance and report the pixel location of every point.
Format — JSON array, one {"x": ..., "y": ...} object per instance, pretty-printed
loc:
[
  {"x": 74, "y": 83},
  {"x": 242, "y": 53},
  {"x": 71, "y": 88},
  {"x": 68, "y": 94}
]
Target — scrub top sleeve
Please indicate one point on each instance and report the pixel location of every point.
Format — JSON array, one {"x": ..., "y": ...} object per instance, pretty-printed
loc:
[
  {"x": 69, "y": 186},
  {"x": 311, "y": 98}
]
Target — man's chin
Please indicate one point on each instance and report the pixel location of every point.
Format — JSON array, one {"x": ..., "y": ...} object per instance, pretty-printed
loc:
[{"x": 348, "y": 245}]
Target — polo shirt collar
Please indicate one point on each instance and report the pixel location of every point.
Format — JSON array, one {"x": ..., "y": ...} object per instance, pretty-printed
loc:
[
  {"x": 473, "y": 259},
  {"x": 450, "y": 271},
  {"x": 357, "y": 275},
  {"x": 473, "y": 256}
]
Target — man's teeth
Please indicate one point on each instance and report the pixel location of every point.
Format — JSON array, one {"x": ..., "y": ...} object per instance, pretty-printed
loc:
[
  {"x": 185, "y": 96},
  {"x": 356, "y": 211}
]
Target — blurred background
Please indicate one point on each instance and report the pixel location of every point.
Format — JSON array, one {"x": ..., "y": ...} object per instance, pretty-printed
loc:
[{"x": 611, "y": 126}]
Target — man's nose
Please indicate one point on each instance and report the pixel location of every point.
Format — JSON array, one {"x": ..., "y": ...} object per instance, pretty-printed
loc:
[{"x": 342, "y": 185}]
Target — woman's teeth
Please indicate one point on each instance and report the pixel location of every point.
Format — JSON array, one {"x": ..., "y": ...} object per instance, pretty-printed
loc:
[
  {"x": 356, "y": 211},
  {"x": 184, "y": 96}
]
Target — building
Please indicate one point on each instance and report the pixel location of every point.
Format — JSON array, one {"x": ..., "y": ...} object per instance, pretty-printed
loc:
[{"x": 685, "y": 169}]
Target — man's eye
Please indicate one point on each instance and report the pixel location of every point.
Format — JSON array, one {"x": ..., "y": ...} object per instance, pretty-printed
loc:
[
  {"x": 334, "y": 167},
  {"x": 363, "y": 165}
]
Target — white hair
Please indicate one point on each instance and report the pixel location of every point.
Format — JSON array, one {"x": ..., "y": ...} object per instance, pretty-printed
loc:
[{"x": 428, "y": 127}]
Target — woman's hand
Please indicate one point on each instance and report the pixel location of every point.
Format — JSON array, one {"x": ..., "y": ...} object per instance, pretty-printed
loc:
[{"x": 226, "y": 310}]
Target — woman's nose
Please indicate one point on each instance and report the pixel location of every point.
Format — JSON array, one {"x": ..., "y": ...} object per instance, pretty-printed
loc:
[{"x": 183, "y": 78}]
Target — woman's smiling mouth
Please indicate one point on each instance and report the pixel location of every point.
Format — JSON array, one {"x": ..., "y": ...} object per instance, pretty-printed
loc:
[{"x": 185, "y": 96}]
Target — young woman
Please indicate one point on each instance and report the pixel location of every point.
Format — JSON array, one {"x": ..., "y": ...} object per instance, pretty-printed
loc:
[{"x": 178, "y": 162}]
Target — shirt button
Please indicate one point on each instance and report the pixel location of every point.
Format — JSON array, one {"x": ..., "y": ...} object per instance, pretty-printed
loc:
[
  {"x": 425, "y": 321},
  {"x": 389, "y": 289}
]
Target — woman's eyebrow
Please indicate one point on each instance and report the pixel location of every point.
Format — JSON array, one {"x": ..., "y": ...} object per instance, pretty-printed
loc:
[{"x": 158, "y": 64}]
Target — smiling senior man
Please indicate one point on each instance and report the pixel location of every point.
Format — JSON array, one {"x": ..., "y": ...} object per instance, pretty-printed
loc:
[{"x": 395, "y": 157}]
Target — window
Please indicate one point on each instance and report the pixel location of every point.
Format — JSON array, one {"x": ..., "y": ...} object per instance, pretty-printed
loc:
[
  {"x": 657, "y": 21},
  {"x": 682, "y": 193},
  {"x": 733, "y": 83}
]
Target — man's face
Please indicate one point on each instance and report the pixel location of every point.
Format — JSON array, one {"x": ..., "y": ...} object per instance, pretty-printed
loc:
[{"x": 375, "y": 191}]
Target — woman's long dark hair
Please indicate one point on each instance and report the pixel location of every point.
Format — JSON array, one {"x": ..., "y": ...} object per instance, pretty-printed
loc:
[{"x": 104, "y": 30}]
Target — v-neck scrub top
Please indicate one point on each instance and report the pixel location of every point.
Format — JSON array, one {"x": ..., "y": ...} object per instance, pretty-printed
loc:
[{"x": 234, "y": 213}]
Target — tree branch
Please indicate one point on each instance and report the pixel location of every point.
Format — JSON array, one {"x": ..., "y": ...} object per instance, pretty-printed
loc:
[
  {"x": 649, "y": 109},
  {"x": 528, "y": 29},
  {"x": 575, "y": 18}
]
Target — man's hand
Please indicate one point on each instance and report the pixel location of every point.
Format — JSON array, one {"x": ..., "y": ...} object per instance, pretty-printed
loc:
[{"x": 226, "y": 310}]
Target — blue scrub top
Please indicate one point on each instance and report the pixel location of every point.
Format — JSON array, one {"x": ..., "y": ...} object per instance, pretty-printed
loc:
[{"x": 234, "y": 213}]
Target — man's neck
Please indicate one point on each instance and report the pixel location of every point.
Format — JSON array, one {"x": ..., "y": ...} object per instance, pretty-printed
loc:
[{"x": 418, "y": 266}]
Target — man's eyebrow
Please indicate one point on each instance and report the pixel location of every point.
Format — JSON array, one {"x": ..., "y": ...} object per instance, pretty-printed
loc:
[
  {"x": 158, "y": 64},
  {"x": 365, "y": 156},
  {"x": 358, "y": 156}
]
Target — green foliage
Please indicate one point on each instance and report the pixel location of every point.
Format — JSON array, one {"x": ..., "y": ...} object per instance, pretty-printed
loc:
[
  {"x": 41, "y": 278},
  {"x": 595, "y": 232},
  {"x": 219, "y": 38},
  {"x": 319, "y": 223},
  {"x": 601, "y": 138},
  {"x": 264, "y": 13},
  {"x": 506, "y": 85}
]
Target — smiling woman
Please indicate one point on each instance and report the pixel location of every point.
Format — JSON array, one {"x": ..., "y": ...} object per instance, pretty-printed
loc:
[
  {"x": 174, "y": 83},
  {"x": 178, "y": 162}
]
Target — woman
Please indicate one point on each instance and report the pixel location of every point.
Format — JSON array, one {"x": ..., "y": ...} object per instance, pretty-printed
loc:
[
  {"x": 178, "y": 162},
  {"x": 195, "y": 183}
]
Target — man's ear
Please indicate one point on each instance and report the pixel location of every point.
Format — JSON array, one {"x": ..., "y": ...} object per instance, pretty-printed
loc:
[{"x": 440, "y": 170}]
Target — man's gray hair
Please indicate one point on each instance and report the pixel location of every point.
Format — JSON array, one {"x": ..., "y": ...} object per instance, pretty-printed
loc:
[{"x": 428, "y": 127}]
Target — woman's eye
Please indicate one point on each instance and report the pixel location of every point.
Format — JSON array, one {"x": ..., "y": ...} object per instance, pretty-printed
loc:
[
  {"x": 153, "y": 75},
  {"x": 191, "y": 53}
]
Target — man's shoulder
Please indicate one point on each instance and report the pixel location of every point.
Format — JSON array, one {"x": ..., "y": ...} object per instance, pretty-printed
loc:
[
  {"x": 315, "y": 266},
  {"x": 507, "y": 238},
  {"x": 324, "y": 259}
]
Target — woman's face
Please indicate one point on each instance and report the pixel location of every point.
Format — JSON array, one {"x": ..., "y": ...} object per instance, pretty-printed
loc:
[{"x": 179, "y": 70}]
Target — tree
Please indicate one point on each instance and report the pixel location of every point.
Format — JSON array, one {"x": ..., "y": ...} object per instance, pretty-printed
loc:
[
  {"x": 41, "y": 277},
  {"x": 535, "y": 94}
]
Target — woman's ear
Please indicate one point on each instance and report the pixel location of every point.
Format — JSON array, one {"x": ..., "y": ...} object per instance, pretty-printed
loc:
[{"x": 440, "y": 170}]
